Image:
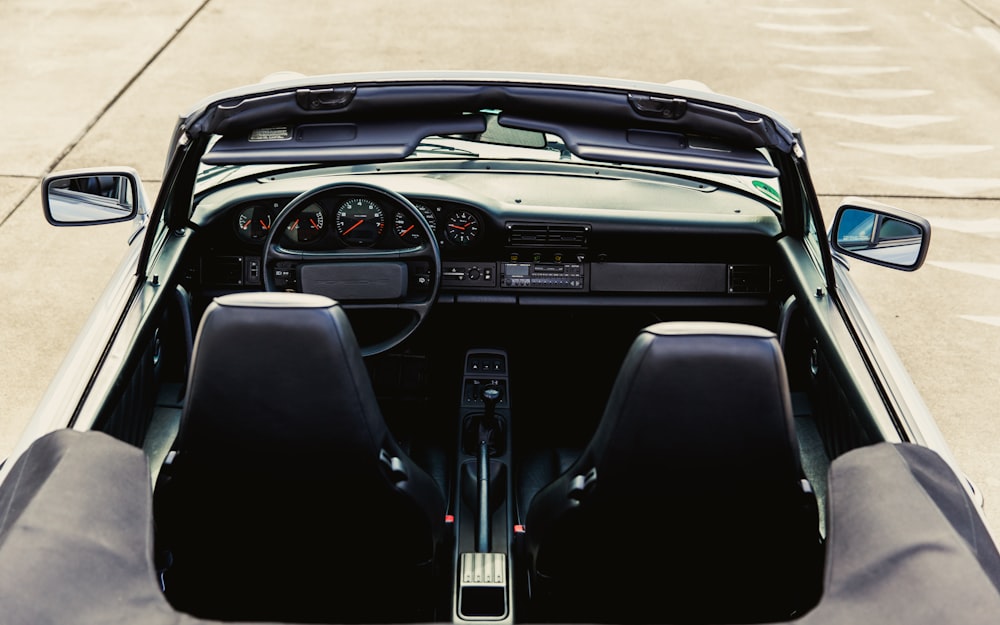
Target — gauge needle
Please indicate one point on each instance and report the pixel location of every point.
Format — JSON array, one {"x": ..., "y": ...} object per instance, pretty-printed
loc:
[
  {"x": 293, "y": 225},
  {"x": 404, "y": 232},
  {"x": 356, "y": 224},
  {"x": 314, "y": 224},
  {"x": 264, "y": 224},
  {"x": 457, "y": 227}
]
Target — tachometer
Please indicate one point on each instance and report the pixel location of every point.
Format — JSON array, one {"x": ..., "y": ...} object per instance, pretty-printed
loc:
[
  {"x": 406, "y": 228},
  {"x": 360, "y": 221},
  {"x": 462, "y": 228}
]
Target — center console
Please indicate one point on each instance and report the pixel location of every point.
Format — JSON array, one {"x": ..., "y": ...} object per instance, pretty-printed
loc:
[{"x": 484, "y": 514}]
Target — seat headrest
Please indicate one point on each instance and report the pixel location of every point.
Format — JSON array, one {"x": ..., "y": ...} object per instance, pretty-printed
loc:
[
  {"x": 708, "y": 398},
  {"x": 278, "y": 373}
]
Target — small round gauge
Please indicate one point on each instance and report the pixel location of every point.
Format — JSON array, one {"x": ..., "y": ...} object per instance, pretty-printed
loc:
[
  {"x": 308, "y": 225},
  {"x": 360, "y": 221},
  {"x": 406, "y": 228},
  {"x": 253, "y": 222},
  {"x": 462, "y": 228}
]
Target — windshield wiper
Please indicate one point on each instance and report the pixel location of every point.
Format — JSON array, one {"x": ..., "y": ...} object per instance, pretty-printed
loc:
[
  {"x": 216, "y": 170},
  {"x": 442, "y": 148}
]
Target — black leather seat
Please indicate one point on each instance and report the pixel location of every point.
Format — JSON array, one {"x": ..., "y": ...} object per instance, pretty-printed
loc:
[
  {"x": 689, "y": 503},
  {"x": 288, "y": 498}
]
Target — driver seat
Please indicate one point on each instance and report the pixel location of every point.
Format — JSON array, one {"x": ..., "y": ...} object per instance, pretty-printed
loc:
[
  {"x": 287, "y": 498},
  {"x": 689, "y": 503}
]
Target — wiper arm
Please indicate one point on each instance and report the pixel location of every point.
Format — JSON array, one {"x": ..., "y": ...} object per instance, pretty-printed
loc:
[
  {"x": 440, "y": 147},
  {"x": 212, "y": 172}
]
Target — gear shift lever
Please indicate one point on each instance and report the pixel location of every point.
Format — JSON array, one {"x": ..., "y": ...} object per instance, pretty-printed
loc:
[{"x": 488, "y": 426}]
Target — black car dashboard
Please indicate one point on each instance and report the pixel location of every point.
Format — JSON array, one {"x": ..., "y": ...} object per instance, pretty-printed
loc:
[{"x": 509, "y": 237}]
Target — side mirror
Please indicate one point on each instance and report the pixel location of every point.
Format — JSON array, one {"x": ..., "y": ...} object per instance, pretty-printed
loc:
[
  {"x": 880, "y": 234},
  {"x": 86, "y": 197}
]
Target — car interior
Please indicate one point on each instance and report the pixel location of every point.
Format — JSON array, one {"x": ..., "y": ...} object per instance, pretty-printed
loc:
[{"x": 564, "y": 360}]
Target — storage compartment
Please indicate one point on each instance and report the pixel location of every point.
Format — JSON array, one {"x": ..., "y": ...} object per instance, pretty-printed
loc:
[
  {"x": 658, "y": 277},
  {"x": 482, "y": 593}
]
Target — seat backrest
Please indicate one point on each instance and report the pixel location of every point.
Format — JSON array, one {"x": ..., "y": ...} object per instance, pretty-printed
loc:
[
  {"x": 288, "y": 498},
  {"x": 689, "y": 502}
]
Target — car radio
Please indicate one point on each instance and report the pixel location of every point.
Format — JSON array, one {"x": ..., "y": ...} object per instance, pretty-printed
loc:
[{"x": 541, "y": 275}]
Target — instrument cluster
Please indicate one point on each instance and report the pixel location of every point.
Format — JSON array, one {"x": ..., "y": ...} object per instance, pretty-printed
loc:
[{"x": 337, "y": 220}]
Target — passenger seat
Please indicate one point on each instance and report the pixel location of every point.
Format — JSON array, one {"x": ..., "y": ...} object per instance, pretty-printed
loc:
[{"x": 689, "y": 503}]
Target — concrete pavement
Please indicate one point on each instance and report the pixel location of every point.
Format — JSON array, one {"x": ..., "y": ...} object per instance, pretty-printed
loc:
[
  {"x": 990, "y": 9},
  {"x": 63, "y": 66}
]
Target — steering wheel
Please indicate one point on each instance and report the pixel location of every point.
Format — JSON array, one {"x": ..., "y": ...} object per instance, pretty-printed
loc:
[{"x": 357, "y": 277}]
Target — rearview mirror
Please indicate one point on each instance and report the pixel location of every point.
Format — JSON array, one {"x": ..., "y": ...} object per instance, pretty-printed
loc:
[
  {"x": 880, "y": 234},
  {"x": 87, "y": 197}
]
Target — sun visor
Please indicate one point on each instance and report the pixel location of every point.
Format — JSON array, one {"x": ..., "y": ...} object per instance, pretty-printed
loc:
[
  {"x": 335, "y": 141},
  {"x": 657, "y": 148}
]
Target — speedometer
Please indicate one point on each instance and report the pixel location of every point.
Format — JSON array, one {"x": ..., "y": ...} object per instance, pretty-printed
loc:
[{"x": 360, "y": 221}]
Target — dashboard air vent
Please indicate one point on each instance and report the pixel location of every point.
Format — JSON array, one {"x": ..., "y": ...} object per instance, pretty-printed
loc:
[{"x": 547, "y": 235}]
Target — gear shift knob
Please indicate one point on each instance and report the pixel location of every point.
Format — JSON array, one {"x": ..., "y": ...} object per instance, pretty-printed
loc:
[{"x": 491, "y": 396}]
